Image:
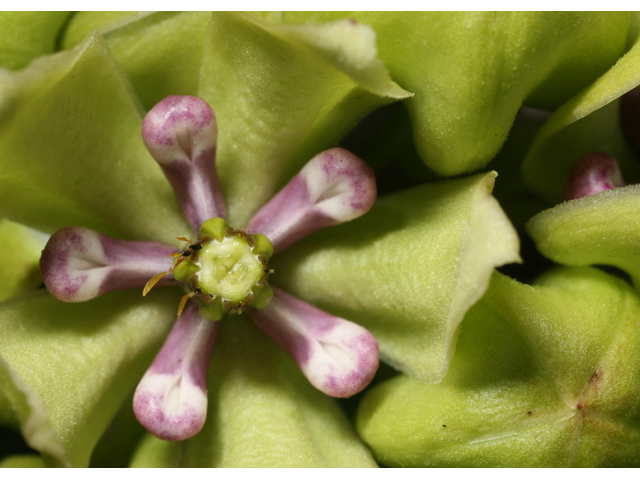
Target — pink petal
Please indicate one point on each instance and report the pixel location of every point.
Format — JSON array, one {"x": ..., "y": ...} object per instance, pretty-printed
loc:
[
  {"x": 593, "y": 173},
  {"x": 337, "y": 356},
  {"x": 171, "y": 399},
  {"x": 181, "y": 133},
  {"x": 334, "y": 187},
  {"x": 79, "y": 264}
]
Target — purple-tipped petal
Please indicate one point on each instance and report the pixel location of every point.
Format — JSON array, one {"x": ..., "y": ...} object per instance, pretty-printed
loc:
[
  {"x": 334, "y": 187},
  {"x": 181, "y": 133},
  {"x": 171, "y": 399},
  {"x": 337, "y": 356},
  {"x": 79, "y": 264},
  {"x": 593, "y": 173}
]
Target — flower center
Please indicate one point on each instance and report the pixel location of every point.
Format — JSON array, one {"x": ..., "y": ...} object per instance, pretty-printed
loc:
[{"x": 225, "y": 269}]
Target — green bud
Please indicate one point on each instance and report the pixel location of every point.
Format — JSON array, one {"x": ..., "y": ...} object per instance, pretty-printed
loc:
[{"x": 185, "y": 270}]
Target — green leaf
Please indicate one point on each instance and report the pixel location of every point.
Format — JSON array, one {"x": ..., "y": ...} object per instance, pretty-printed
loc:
[
  {"x": 598, "y": 229},
  {"x": 68, "y": 367},
  {"x": 408, "y": 270},
  {"x": 262, "y": 413},
  {"x": 588, "y": 122},
  {"x": 20, "y": 249},
  {"x": 27, "y": 35},
  {"x": 472, "y": 71},
  {"x": 22, "y": 461},
  {"x": 283, "y": 93},
  {"x": 543, "y": 376},
  {"x": 71, "y": 151}
]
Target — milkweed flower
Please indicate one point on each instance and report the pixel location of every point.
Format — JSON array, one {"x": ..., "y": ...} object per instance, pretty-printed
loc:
[
  {"x": 72, "y": 155},
  {"x": 223, "y": 270}
]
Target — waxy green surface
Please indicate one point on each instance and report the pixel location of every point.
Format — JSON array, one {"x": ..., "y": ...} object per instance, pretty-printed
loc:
[
  {"x": 67, "y": 368},
  {"x": 440, "y": 242},
  {"x": 600, "y": 229},
  {"x": 543, "y": 376},
  {"x": 472, "y": 71},
  {"x": 72, "y": 152},
  {"x": 27, "y": 35},
  {"x": 20, "y": 249}
]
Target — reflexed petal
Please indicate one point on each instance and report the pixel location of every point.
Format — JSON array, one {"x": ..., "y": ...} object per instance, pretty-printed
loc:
[
  {"x": 284, "y": 93},
  {"x": 543, "y": 376},
  {"x": 593, "y": 173},
  {"x": 171, "y": 399},
  {"x": 461, "y": 113},
  {"x": 79, "y": 362},
  {"x": 602, "y": 229},
  {"x": 21, "y": 408},
  {"x": 71, "y": 152},
  {"x": 181, "y": 133},
  {"x": 79, "y": 264},
  {"x": 27, "y": 35},
  {"x": 408, "y": 270},
  {"x": 337, "y": 356},
  {"x": 20, "y": 249},
  {"x": 588, "y": 122},
  {"x": 334, "y": 187},
  {"x": 262, "y": 413}
]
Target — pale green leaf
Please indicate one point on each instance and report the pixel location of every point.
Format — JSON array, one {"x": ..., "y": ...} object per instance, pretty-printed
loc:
[
  {"x": 70, "y": 366},
  {"x": 262, "y": 413},
  {"x": 408, "y": 270},
  {"x": 71, "y": 151}
]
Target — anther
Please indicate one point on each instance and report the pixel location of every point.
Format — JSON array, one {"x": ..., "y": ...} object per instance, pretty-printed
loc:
[
  {"x": 183, "y": 302},
  {"x": 156, "y": 278}
]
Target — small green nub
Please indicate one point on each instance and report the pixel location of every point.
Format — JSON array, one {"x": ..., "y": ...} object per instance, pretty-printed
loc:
[
  {"x": 185, "y": 271},
  {"x": 263, "y": 245},
  {"x": 261, "y": 296},
  {"x": 214, "y": 227},
  {"x": 213, "y": 310}
]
